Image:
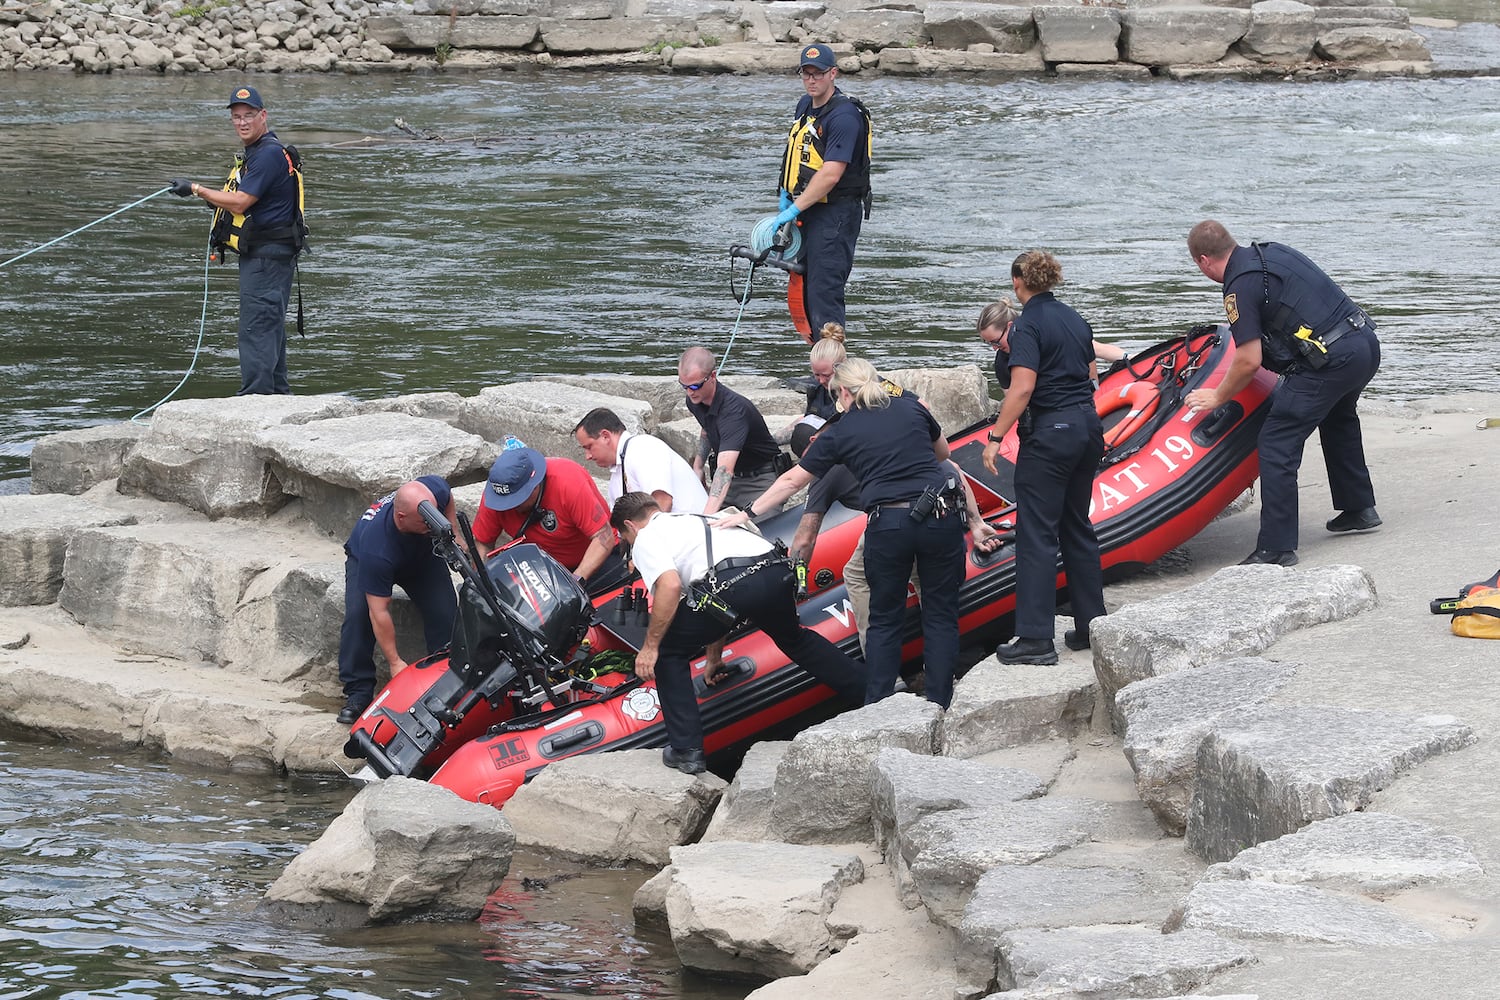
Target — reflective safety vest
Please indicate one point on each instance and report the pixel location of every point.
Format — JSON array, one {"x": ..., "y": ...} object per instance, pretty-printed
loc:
[
  {"x": 238, "y": 233},
  {"x": 804, "y": 153},
  {"x": 1309, "y": 299}
]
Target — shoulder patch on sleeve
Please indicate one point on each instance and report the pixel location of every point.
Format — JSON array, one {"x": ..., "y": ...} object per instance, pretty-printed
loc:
[{"x": 1231, "y": 309}]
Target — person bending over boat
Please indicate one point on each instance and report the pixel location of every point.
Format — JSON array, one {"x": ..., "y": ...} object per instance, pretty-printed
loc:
[
  {"x": 639, "y": 462},
  {"x": 736, "y": 443},
  {"x": 993, "y": 327},
  {"x": 553, "y": 503},
  {"x": 1051, "y": 395},
  {"x": 897, "y": 451},
  {"x": 676, "y": 553},
  {"x": 1287, "y": 315},
  {"x": 389, "y": 545}
]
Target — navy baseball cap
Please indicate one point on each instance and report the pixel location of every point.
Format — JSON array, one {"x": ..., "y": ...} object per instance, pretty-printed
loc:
[
  {"x": 820, "y": 56},
  {"x": 515, "y": 476},
  {"x": 246, "y": 95}
]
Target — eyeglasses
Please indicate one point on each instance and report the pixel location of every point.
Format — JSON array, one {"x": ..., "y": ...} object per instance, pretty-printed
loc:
[
  {"x": 695, "y": 386},
  {"x": 242, "y": 119},
  {"x": 808, "y": 73}
]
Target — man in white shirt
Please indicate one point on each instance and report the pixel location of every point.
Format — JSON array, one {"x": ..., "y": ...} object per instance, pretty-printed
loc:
[
  {"x": 639, "y": 462},
  {"x": 754, "y": 584}
]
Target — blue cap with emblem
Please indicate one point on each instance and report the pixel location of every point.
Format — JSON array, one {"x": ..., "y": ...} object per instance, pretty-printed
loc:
[
  {"x": 820, "y": 56},
  {"x": 246, "y": 95},
  {"x": 515, "y": 476}
]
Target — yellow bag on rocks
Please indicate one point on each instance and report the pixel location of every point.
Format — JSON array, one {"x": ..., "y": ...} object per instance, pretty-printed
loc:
[{"x": 1478, "y": 615}]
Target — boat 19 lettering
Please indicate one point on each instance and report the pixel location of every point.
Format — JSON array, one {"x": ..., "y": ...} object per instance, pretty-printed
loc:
[{"x": 1131, "y": 480}]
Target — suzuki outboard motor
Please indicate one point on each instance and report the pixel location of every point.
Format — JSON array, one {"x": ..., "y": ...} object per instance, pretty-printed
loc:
[{"x": 549, "y": 613}]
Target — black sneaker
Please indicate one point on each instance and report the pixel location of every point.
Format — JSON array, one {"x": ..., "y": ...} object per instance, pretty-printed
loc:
[
  {"x": 1270, "y": 556},
  {"x": 686, "y": 761},
  {"x": 351, "y": 712},
  {"x": 1355, "y": 520},
  {"x": 1076, "y": 638},
  {"x": 1036, "y": 651}
]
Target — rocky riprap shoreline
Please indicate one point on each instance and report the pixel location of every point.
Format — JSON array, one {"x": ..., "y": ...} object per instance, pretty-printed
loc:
[
  {"x": 189, "y": 569},
  {"x": 1114, "y": 37}
]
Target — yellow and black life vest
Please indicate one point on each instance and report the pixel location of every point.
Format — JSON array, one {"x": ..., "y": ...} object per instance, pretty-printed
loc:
[
  {"x": 804, "y": 153},
  {"x": 235, "y": 232}
]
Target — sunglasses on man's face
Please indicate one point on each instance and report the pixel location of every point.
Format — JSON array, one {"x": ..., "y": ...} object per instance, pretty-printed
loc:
[{"x": 695, "y": 386}]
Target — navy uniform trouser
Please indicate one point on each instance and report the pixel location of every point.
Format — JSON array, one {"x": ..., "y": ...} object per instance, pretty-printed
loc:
[
  {"x": 893, "y": 544},
  {"x": 430, "y": 588},
  {"x": 767, "y": 599},
  {"x": 1327, "y": 400},
  {"x": 829, "y": 232},
  {"x": 265, "y": 294},
  {"x": 1055, "y": 470}
]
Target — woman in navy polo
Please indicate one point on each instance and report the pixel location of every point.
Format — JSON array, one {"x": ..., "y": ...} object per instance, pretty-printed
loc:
[{"x": 1051, "y": 353}]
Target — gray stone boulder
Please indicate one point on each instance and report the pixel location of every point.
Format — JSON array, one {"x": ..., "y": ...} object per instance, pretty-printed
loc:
[
  {"x": 285, "y": 627},
  {"x": 202, "y": 453},
  {"x": 427, "y": 32},
  {"x": 1162, "y": 36},
  {"x": 403, "y": 850},
  {"x": 449, "y": 407},
  {"x": 1277, "y": 912},
  {"x": 1114, "y": 961},
  {"x": 1329, "y": 18},
  {"x": 958, "y": 24},
  {"x": 1372, "y": 44},
  {"x": 822, "y": 793},
  {"x": 1239, "y": 611},
  {"x": 1370, "y": 852},
  {"x": 681, "y": 435},
  {"x": 543, "y": 414},
  {"x": 76, "y": 461},
  {"x": 340, "y": 466},
  {"x": 956, "y": 397},
  {"x": 649, "y": 904},
  {"x": 613, "y": 807},
  {"x": 876, "y": 28},
  {"x": 1268, "y": 771},
  {"x": 757, "y": 909},
  {"x": 947, "y": 852},
  {"x": 744, "y": 813},
  {"x": 1281, "y": 31},
  {"x": 166, "y": 589},
  {"x": 34, "y": 536},
  {"x": 663, "y": 392},
  {"x": 906, "y": 787},
  {"x": 1078, "y": 34},
  {"x": 927, "y": 62},
  {"x": 574, "y": 36},
  {"x": 1016, "y": 896},
  {"x": 999, "y": 705},
  {"x": 1166, "y": 718}
]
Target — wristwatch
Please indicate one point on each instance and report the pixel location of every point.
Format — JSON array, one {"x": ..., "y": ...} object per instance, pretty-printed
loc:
[{"x": 993, "y": 439}]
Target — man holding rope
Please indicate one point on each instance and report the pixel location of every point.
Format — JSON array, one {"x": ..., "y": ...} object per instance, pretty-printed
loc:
[{"x": 266, "y": 180}]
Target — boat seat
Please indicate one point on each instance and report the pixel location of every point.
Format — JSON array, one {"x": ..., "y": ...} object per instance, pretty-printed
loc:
[{"x": 991, "y": 491}]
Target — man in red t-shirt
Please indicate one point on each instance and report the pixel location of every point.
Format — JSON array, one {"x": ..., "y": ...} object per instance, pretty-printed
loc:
[{"x": 550, "y": 502}]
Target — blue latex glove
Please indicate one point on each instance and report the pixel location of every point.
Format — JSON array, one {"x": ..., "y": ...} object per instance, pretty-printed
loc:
[
  {"x": 786, "y": 200},
  {"x": 787, "y": 215}
]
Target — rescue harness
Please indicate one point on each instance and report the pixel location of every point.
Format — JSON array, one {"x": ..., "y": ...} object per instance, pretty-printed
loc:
[{"x": 804, "y": 153}]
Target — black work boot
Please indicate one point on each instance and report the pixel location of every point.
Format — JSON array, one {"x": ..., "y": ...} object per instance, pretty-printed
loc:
[
  {"x": 1038, "y": 651},
  {"x": 1355, "y": 520}
]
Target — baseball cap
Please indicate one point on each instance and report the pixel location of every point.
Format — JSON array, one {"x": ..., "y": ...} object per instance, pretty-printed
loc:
[
  {"x": 246, "y": 95},
  {"x": 803, "y": 431},
  {"x": 820, "y": 56},
  {"x": 515, "y": 476}
]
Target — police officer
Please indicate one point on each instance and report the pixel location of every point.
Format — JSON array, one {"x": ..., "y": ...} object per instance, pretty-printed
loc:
[
  {"x": 1051, "y": 357},
  {"x": 388, "y": 546},
  {"x": 735, "y": 439},
  {"x": 1288, "y": 316},
  {"x": 261, "y": 209},
  {"x": 672, "y": 551},
  {"x": 898, "y": 453},
  {"x": 825, "y": 183}
]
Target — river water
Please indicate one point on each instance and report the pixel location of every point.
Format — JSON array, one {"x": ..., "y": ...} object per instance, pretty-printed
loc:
[{"x": 580, "y": 223}]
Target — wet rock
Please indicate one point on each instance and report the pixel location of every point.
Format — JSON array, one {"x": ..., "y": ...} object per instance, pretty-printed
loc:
[
  {"x": 757, "y": 909},
  {"x": 34, "y": 536},
  {"x": 1166, "y": 718},
  {"x": 822, "y": 793},
  {"x": 613, "y": 807},
  {"x": 649, "y": 904},
  {"x": 202, "y": 453},
  {"x": 543, "y": 415},
  {"x": 1078, "y": 34},
  {"x": 1128, "y": 961},
  {"x": 1372, "y": 44},
  {"x": 908, "y": 786},
  {"x": 1161, "y": 36},
  {"x": 403, "y": 850},
  {"x": 957, "y": 24},
  {"x": 999, "y": 705},
  {"x": 75, "y": 461},
  {"x": 744, "y": 813},
  {"x": 338, "y": 467},
  {"x": 1239, "y": 611},
  {"x": 1268, "y": 771},
  {"x": 1368, "y": 851},
  {"x": 1276, "y": 912},
  {"x": 1281, "y": 31}
]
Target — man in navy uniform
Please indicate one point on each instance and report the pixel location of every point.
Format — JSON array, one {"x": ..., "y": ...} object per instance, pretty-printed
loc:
[
  {"x": 390, "y": 545},
  {"x": 1288, "y": 316}
]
